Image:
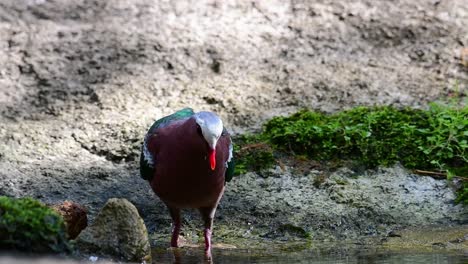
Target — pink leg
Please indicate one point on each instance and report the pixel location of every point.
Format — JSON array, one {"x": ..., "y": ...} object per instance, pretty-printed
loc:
[
  {"x": 175, "y": 215},
  {"x": 207, "y": 215},
  {"x": 175, "y": 235},
  {"x": 207, "y": 233}
]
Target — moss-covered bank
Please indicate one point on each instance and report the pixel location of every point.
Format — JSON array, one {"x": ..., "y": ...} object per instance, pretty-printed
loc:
[
  {"x": 28, "y": 225},
  {"x": 435, "y": 139}
]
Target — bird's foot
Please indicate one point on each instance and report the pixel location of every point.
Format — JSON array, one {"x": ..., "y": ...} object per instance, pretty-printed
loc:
[
  {"x": 177, "y": 254},
  {"x": 208, "y": 257},
  {"x": 207, "y": 242},
  {"x": 175, "y": 235},
  {"x": 175, "y": 242}
]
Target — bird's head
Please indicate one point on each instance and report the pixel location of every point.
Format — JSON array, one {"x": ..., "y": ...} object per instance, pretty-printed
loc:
[{"x": 211, "y": 127}]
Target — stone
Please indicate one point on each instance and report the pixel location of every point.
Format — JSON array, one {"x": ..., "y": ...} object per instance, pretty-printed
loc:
[
  {"x": 74, "y": 216},
  {"x": 118, "y": 231}
]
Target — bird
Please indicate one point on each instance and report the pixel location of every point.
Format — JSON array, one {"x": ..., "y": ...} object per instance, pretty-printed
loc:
[{"x": 187, "y": 158}]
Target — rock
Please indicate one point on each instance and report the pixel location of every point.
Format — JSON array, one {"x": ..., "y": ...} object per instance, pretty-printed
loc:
[
  {"x": 118, "y": 230},
  {"x": 418, "y": 237},
  {"x": 74, "y": 215}
]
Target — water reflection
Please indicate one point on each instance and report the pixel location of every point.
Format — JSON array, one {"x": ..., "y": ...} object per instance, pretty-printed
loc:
[{"x": 195, "y": 255}]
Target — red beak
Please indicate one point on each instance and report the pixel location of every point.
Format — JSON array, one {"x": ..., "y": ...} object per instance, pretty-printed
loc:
[{"x": 213, "y": 159}]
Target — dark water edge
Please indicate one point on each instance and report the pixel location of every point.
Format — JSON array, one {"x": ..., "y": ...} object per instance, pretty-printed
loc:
[
  {"x": 336, "y": 256},
  {"x": 374, "y": 257}
]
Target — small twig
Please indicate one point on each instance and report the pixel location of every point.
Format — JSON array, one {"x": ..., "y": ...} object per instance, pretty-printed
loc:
[
  {"x": 251, "y": 146},
  {"x": 461, "y": 178},
  {"x": 438, "y": 175}
]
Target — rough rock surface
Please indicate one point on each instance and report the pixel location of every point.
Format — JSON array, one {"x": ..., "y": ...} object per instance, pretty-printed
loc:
[
  {"x": 81, "y": 81},
  {"x": 118, "y": 230},
  {"x": 347, "y": 205},
  {"x": 74, "y": 215},
  {"x": 452, "y": 238}
]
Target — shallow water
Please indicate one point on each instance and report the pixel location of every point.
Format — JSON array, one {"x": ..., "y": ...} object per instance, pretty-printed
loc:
[
  {"x": 365, "y": 256},
  {"x": 337, "y": 256}
]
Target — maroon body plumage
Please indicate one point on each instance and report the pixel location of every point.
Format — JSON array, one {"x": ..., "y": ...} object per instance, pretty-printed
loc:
[
  {"x": 183, "y": 177},
  {"x": 185, "y": 158}
]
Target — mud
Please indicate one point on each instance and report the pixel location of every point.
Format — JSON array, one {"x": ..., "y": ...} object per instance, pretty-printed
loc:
[{"x": 81, "y": 81}]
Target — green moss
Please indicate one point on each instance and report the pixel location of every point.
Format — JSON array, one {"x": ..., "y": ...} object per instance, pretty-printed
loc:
[
  {"x": 462, "y": 194},
  {"x": 28, "y": 225},
  {"x": 375, "y": 136},
  {"x": 432, "y": 139},
  {"x": 294, "y": 231},
  {"x": 253, "y": 153}
]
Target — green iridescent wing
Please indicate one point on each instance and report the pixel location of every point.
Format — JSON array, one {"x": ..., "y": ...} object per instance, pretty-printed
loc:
[
  {"x": 146, "y": 158},
  {"x": 231, "y": 164},
  {"x": 181, "y": 114},
  {"x": 230, "y": 170}
]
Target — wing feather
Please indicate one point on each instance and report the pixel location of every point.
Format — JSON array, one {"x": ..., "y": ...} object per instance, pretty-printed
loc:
[
  {"x": 230, "y": 162},
  {"x": 147, "y": 157}
]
